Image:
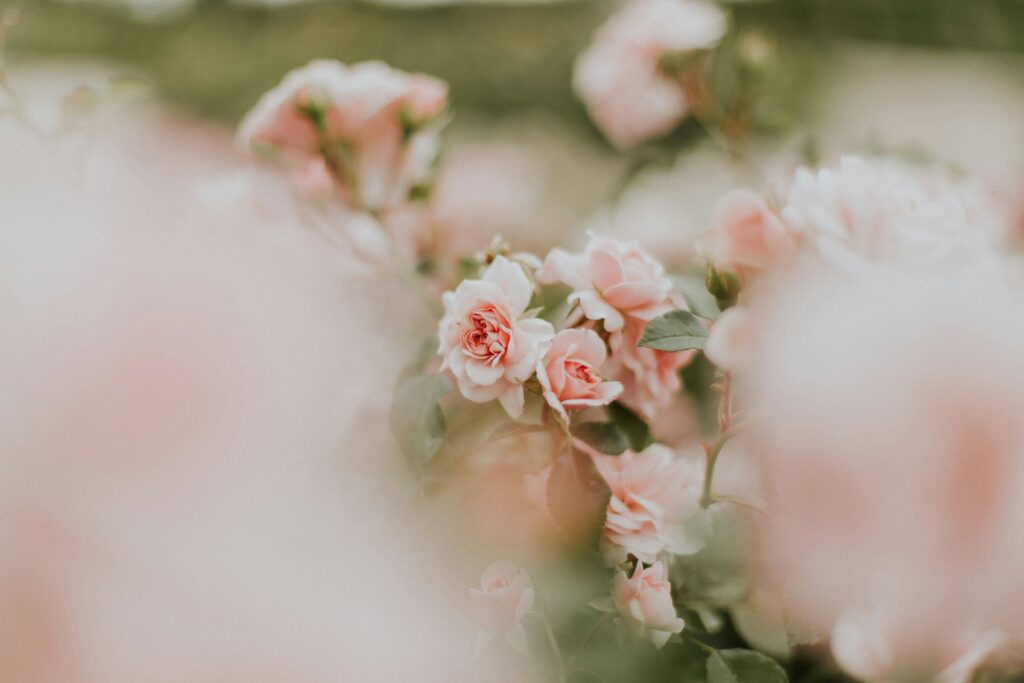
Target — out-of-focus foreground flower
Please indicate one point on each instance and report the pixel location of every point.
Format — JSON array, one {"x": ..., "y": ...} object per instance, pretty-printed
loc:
[{"x": 187, "y": 360}]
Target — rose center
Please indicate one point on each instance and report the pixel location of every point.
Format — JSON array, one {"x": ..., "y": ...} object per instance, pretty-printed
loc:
[
  {"x": 581, "y": 371},
  {"x": 499, "y": 584},
  {"x": 486, "y": 337}
]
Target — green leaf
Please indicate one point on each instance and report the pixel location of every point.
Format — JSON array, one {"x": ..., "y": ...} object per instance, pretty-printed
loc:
[
  {"x": 636, "y": 431},
  {"x": 744, "y": 666},
  {"x": 605, "y": 437},
  {"x": 717, "y": 575},
  {"x": 416, "y": 417},
  {"x": 762, "y": 627},
  {"x": 675, "y": 331},
  {"x": 697, "y": 296}
]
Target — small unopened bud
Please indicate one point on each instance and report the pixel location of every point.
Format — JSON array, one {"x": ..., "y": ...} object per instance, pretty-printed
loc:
[
  {"x": 722, "y": 285},
  {"x": 499, "y": 247}
]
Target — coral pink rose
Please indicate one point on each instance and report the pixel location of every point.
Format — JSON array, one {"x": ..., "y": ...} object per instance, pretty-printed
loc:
[
  {"x": 650, "y": 378},
  {"x": 653, "y": 495},
  {"x": 569, "y": 372},
  {"x": 748, "y": 237},
  {"x": 505, "y": 596},
  {"x": 485, "y": 344},
  {"x": 367, "y": 121},
  {"x": 620, "y": 77},
  {"x": 610, "y": 280},
  {"x": 730, "y": 340},
  {"x": 645, "y": 602}
]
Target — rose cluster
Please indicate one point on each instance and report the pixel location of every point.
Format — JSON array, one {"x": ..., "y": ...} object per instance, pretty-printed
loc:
[{"x": 862, "y": 436}]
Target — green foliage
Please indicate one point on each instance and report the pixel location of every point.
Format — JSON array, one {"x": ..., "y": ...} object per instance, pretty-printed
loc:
[
  {"x": 624, "y": 429},
  {"x": 675, "y": 331},
  {"x": 698, "y": 378},
  {"x": 700, "y": 301},
  {"x": 417, "y": 421},
  {"x": 763, "y": 629},
  {"x": 636, "y": 431},
  {"x": 743, "y": 666},
  {"x": 717, "y": 575},
  {"x": 604, "y": 437}
]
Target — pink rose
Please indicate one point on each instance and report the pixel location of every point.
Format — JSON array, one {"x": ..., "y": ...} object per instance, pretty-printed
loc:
[
  {"x": 863, "y": 211},
  {"x": 653, "y": 495},
  {"x": 650, "y": 378},
  {"x": 645, "y": 602},
  {"x": 748, "y": 237},
  {"x": 313, "y": 179},
  {"x": 610, "y": 279},
  {"x": 730, "y": 340},
  {"x": 357, "y": 118},
  {"x": 569, "y": 372},
  {"x": 483, "y": 190},
  {"x": 487, "y": 347},
  {"x": 620, "y": 77},
  {"x": 279, "y": 120},
  {"x": 874, "y": 645},
  {"x": 505, "y": 596},
  {"x": 889, "y": 435}
]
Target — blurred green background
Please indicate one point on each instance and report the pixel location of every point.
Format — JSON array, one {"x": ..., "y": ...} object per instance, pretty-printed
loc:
[{"x": 216, "y": 58}]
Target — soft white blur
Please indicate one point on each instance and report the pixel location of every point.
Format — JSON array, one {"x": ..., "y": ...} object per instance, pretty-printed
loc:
[{"x": 196, "y": 483}]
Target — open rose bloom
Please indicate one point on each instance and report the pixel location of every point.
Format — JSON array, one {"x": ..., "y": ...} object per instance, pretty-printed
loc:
[
  {"x": 488, "y": 348},
  {"x": 569, "y": 372},
  {"x": 611, "y": 280}
]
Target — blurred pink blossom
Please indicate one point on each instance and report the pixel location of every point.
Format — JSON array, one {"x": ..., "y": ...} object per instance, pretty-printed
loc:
[
  {"x": 653, "y": 494},
  {"x": 867, "y": 645},
  {"x": 485, "y": 190},
  {"x": 645, "y": 601},
  {"x": 748, "y": 236},
  {"x": 870, "y": 211},
  {"x": 620, "y": 77},
  {"x": 505, "y": 596},
  {"x": 887, "y": 433},
  {"x": 373, "y": 125},
  {"x": 193, "y": 374},
  {"x": 731, "y": 340}
]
